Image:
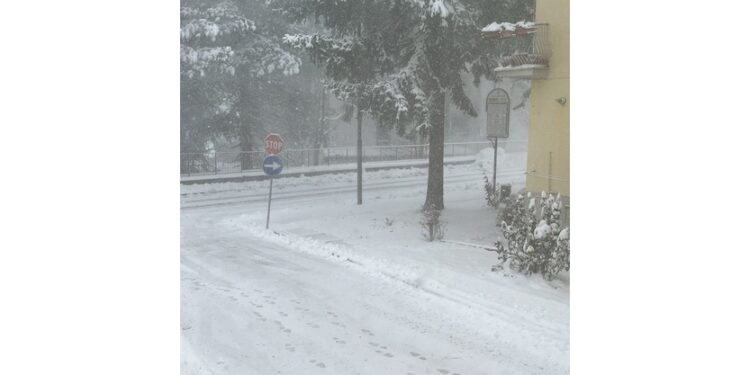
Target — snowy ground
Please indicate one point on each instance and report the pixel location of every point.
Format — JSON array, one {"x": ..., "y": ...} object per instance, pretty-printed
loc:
[{"x": 341, "y": 289}]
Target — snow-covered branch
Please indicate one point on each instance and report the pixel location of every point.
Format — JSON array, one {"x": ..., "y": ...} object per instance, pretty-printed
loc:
[
  {"x": 211, "y": 23},
  {"x": 202, "y": 60}
]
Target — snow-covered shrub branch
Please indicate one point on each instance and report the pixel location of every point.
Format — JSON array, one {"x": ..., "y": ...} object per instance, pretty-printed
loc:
[
  {"x": 491, "y": 195},
  {"x": 534, "y": 244}
]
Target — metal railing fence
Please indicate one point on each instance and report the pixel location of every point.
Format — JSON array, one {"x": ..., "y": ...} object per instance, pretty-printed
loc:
[
  {"x": 223, "y": 162},
  {"x": 530, "y": 48}
]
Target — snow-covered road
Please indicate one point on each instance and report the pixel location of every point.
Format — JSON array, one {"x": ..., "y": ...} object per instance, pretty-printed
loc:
[
  {"x": 265, "y": 302},
  {"x": 235, "y": 196},
  {"x": 252, "y": 307}
]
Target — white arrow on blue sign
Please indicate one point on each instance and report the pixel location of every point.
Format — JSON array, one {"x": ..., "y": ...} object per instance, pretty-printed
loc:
[{"x": 272, "y": 165}]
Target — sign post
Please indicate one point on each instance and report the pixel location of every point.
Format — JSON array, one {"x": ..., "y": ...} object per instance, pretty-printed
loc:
[
  {"x": 498, "y": 122},
  {"x": 268, "y": 212},
  {"x": 272, "y": 166}
]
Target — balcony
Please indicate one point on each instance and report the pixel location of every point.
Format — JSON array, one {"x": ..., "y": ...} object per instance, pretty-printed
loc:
[{"x": 524, "y": 49}]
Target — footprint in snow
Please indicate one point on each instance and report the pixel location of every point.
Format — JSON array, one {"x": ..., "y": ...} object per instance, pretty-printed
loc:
[{"x": 320, "y": 364}]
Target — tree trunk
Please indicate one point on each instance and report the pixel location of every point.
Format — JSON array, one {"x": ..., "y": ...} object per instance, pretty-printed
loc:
[
  {"x": 320, "y": 134},
  {"x": 436, "y": 137},
  {"x": 247, "y": 123}
]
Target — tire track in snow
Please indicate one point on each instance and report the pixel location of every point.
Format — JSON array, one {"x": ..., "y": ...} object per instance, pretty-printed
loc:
[{"x": 323, "y": 192}]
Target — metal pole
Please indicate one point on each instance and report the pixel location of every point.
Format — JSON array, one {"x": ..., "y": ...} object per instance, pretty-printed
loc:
[
  {"x": 359, "y": 156},
  {"x": 270, "y": 192},
  {"x": 216, "y": 170},
  {"x": 494, "y": 166}
]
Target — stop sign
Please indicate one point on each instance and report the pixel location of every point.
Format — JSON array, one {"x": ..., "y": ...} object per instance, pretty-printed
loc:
[{"x": 273, "y": 143}]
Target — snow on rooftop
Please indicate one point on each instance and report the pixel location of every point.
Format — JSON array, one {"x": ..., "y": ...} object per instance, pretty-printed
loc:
[
  {"x": 507, "y": 26},
  {"x": 521, "y": 67}
]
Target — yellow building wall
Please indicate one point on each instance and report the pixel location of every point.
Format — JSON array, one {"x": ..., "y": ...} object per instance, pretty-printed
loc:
[{"x": 549, "y": 121}]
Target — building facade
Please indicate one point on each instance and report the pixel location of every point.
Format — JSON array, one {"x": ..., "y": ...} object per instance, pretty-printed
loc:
[
  {"x": 547, "y": 65},
  {"x": 548, "y": 163}
]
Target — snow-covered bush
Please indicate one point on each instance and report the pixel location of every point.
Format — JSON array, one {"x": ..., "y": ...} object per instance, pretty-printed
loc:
[
  {"x": 432, "y": 228},
  {"x": 534, "y": 240},
  {"x": 492, "y": 196},
  {"x": 497, "y": 195}
]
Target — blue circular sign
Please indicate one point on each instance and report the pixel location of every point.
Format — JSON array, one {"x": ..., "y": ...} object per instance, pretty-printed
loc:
[{"x": 272, "y": 165}]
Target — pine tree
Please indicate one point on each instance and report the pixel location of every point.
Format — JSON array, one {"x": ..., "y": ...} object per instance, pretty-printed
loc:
[
  {"x": 223, "y": 56},
  {"x": 357, "y": 53},
  {"x": 401, "y": 60}
]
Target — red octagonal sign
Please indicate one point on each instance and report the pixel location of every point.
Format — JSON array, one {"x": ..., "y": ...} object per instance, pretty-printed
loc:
[{"x": 273, "y": 143}]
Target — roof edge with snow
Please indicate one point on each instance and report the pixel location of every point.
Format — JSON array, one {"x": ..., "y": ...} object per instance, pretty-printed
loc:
[{"x": 507, "y": 29}]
